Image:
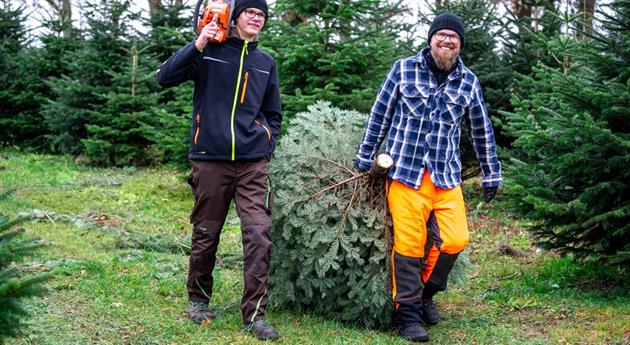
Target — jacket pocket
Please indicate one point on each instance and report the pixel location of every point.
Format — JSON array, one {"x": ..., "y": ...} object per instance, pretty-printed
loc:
[
  {"x": 414, "y": 100},
  {"x": 254, "y": 82},
  {"x": 265, "y": 128},
  {"x": 454, "y": 108},
  {"x": 197, "y": 126},
  {"x": 243, "y": 93}
]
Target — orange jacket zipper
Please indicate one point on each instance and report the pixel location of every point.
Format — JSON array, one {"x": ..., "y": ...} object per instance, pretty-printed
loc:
[
  {"x": 198, "y": 120},
  {"x": 265, "y": 128},
  {"x": 244, "y": 87}
]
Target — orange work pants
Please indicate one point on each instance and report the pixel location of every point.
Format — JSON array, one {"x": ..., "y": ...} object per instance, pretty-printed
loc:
[{"x": 430, "y": 230}]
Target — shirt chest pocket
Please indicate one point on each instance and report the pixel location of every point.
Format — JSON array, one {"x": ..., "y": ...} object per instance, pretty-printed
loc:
[
  {"x": 414, "y": 100},
  {"x": 454, "y": 106}
]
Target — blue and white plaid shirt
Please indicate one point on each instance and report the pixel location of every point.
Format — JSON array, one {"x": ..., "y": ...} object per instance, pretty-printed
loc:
[{"x": 424, "y": 124}]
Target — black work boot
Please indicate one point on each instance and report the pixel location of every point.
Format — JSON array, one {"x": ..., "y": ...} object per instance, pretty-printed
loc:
[
  {"x": 414, "y": 333},
  {"x": 429, "y": 314},
  {"x": 262, "y": 330},
  {"x": 199, "y": 312}
]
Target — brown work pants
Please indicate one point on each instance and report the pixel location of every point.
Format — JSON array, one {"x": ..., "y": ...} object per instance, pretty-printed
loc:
[{"x": 215, "y": 184}]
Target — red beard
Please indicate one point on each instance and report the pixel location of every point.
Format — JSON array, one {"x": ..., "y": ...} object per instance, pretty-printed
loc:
[{"x": 445, "y": 60}]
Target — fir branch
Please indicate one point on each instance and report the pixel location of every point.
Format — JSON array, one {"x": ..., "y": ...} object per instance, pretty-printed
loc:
[{"x": 338, "y": 184}]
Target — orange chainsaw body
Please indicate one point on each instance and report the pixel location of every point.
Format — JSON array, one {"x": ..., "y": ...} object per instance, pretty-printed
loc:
[{"x": 219, "y": 12}]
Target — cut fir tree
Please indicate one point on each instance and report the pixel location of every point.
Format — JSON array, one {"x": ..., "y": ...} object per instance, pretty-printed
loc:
[{"x": 331, "y": 235}]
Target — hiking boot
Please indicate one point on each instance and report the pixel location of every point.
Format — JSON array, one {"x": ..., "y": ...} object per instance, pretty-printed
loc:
[
  {"x": 414, "y": 333},
  {"x": 199, "y": 312},
  {"x": 262, "y": 330},
  {"x": 429, "y": 314}
]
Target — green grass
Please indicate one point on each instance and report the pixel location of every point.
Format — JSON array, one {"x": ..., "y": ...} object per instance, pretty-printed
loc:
[{"x": 104, "y": 292}]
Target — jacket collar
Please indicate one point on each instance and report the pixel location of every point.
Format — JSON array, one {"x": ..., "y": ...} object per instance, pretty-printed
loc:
[{"x": 238, "y": 43}]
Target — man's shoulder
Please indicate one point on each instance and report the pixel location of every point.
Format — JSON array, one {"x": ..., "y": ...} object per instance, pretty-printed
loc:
[
  {"x": 264, "y": 56},
  {"x": 403, "y": 65},
  {"x": 467, "y": 74},
  {"x": 408, "y": 61}
]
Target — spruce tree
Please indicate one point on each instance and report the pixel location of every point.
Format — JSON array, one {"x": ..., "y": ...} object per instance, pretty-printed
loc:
[
  {"x": 333, "y": 50},
  {"x": 171, "y": 28},
  {"x": 92, "y": 70},
  {"x": 524, "y": 44},
  {"x": 170, "y": 131},
  {"x": 12, "y": 41},
  {"x": 571, "y": 174},
  {"x": 115, "y": 132},
  {"x": 30, "y": 92},
  {"x": 15, "y": 286}
]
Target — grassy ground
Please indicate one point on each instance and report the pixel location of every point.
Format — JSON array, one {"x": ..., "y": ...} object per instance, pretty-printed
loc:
[{"x": 113, "y": 285}]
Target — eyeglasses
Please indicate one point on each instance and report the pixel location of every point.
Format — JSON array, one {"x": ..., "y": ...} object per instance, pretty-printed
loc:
[
  {"x": 251, "y": 14},
  {"x": 442, "y": 37}
]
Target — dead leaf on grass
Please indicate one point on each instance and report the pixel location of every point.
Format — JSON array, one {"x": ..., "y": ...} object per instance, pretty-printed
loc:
[
  {"x": 508, "y": 250},
  {"x": 103, "y": 219}
]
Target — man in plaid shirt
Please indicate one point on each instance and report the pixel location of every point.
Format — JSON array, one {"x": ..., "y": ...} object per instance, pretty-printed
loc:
[{"x": 420, "y": 108}]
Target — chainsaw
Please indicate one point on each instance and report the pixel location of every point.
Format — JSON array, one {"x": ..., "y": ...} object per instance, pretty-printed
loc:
[{"x": 217, "y": 11}]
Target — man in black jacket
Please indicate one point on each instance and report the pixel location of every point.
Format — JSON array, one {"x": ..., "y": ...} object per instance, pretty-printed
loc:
[{"x": 236, "y": 120}]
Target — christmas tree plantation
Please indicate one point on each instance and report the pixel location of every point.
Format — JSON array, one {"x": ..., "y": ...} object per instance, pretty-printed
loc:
[
  {"x": 571, "y": 172},
  {"x": 331, "y": 243}
]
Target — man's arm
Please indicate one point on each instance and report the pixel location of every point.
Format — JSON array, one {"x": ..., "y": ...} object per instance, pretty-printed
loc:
[
  {"x": 271, "y": 107},
  {"x": 380, "y": 119},
  {"x": 482, "y": 136},
  {"x": 182, "y": 66}
]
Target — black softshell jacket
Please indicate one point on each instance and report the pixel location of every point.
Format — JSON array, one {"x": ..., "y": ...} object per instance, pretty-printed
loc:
[{"x": 236, "y": 106}]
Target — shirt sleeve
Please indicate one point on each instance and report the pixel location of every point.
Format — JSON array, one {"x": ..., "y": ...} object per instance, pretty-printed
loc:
[
  {"x": 380, "y": 119},
  {"x": 482, "y": 136}
]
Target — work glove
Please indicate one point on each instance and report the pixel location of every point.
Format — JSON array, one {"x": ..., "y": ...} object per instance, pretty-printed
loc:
[{"x": 488, "y": 193}]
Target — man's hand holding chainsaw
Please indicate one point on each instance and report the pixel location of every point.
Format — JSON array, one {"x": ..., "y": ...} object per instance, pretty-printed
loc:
[{"x": 206, "y": 33}]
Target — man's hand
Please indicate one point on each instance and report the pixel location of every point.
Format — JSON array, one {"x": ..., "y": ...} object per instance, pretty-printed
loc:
[
  {"x": 360, "y": 168},
  {"x": 206, "y": 33},
  {"x": 489, "y": 193}
]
